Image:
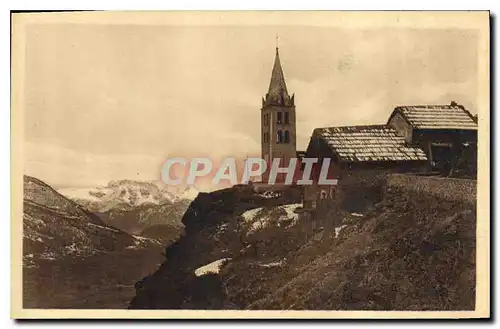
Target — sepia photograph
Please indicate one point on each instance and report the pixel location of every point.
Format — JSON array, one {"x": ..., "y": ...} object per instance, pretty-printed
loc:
[{"x": 250, "y": 164}]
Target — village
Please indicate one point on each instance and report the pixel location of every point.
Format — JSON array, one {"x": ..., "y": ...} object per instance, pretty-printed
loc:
[
  {"x": 432, "y": 140},
  {"x": 185, "y": 163}
]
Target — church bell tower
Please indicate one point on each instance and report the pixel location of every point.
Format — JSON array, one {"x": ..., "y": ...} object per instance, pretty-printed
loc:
[{"x": 278, "y": 129}]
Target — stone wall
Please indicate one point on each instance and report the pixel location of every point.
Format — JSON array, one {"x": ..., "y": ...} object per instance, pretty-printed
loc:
[
  {"x": 360, "y": 189},
  {"x": 450, "y": 189}
]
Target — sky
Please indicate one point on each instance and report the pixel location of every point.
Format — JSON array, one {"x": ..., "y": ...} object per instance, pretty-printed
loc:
[{"x": 107, "y": 102}]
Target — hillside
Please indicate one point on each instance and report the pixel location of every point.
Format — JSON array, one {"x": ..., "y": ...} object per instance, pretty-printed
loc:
[
  {"x": 67, "y": 249},
  {"x": 412, "y": 251}
]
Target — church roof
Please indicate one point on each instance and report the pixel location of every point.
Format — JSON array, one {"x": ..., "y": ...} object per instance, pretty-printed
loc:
[
  {"x": 277, "y": 83},
  {"x": 369, "y": 144}
]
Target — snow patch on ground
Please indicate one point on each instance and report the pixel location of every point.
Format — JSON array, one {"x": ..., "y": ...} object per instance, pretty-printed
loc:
[
  {"x": 48, "y": 256},
  {"x": 290, "y": 212},
  {"x": 77, "y": 249},
  {"x": 259, "y": 224},
  {"x": 141, "y": 242},
  {"x": 355, "y": 214},
  {"x": 272, "y": 264},
  {"x": 338, "y": 229},
  {"x": 33, "y": 220},
  {"x": 103, "y": 227},
  {"x": 258, "y": 220},
  {"x": 220, "y": 230},
  {"x": 212, "y": 268},
  {"x": 249, "y": 215},
  {"x": 140, "y": 238},
  {"x": 28, "y": 261},
  {"x": 270, "y": 195}
]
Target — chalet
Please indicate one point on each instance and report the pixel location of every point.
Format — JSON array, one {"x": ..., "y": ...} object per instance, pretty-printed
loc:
[
  {"x": 447, "y": 134},
  {"x": 416, "y": 139}
]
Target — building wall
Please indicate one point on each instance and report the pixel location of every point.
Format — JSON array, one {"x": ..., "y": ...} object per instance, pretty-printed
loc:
[
  {"x": 359, "y": 185},
  {"x": 455, "y": 138},
  {"x": 401, "y": 126},
  {"x": 316, "y": 191},
  {"x": 358, "y": 189}
]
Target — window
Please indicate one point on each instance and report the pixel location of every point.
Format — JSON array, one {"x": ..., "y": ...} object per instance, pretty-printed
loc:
[
  {"x": 279, "y": 136},
  {"x": 266, "y": 137},
  {"x": 286, "y": 137},
  {"x": 287, "y": 118},
  {"x": 279, "y": 117},
  {"x": 265, "y": 119}
]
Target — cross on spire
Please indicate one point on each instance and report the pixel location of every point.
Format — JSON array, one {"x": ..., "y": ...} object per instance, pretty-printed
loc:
[{"x": 277, "y": 41}]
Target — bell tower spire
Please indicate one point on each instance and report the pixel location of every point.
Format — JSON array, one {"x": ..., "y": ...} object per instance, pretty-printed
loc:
[
  {"x": 278, "y": 130},
  {"x": 277, "y": 93}
]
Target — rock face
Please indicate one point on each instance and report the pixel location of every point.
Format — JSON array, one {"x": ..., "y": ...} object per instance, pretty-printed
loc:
[
  {"x": 409, "y": 252},
  {"x": 72, "y": 259}
]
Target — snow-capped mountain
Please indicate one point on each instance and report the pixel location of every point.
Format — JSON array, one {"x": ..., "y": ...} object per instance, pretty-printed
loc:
[
  {"x": 134, "y": 206},
  {"x": 127, "y": 194}
]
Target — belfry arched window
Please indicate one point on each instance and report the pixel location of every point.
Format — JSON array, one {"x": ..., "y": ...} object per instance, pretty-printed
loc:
[
  {"x": 279, "y": 136},
  {"x": 286, "y": 137}
]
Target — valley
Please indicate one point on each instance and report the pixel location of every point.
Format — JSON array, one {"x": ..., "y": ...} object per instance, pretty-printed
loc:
[{"x": 77, "y": 256}]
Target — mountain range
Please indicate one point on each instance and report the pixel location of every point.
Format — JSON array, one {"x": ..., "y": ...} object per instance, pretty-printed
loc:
[
  {"x": 72, "y": 258},
  {"x": 134, "y": 206}
]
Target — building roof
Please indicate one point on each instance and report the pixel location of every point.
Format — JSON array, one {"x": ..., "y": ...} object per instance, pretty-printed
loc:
[
  {"x": 277, "y": 84},
  {"x": 451, "y": 116},
  {"x": 373, "y": 143}
]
